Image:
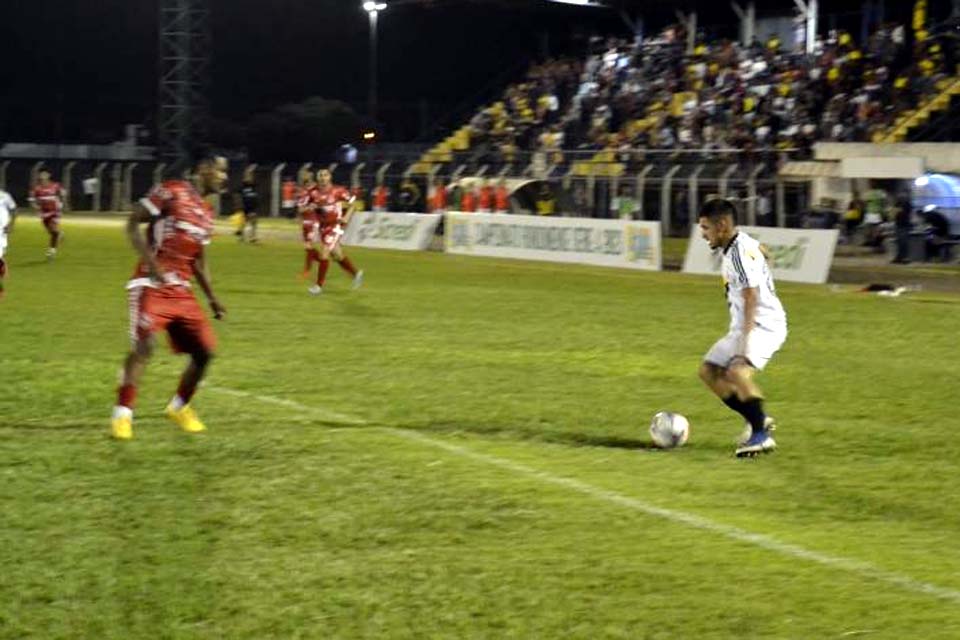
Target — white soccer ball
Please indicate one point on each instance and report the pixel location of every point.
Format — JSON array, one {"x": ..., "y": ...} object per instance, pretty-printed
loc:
[{"x": 669, "y": 430}]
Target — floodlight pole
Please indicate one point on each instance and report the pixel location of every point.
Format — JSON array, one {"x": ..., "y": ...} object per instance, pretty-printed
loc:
[
  {"x": 372, "y": 107},
  {"x": 373, "y": 9}
]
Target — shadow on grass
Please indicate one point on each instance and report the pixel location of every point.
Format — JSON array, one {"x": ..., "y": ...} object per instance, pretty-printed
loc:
[{"x": 571, "y": 438}]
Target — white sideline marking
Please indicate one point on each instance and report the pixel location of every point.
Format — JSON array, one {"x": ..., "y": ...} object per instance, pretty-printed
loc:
[
  {"x": 697, "y": 522},
  {"x": 325, "y": 414}
]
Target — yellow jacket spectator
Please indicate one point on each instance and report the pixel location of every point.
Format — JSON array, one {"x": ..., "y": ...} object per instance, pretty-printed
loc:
[{"x": 546, "y": 204}]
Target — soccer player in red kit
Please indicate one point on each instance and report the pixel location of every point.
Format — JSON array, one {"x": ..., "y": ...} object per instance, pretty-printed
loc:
[
  {"x": 180, "y": 225},
  {"x": 47, "y": 198},
  {"x": 329, "y": 201},
  {"x": 308, "y": 221}
]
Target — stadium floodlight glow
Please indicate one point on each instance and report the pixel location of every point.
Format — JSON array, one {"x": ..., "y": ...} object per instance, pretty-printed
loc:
[
  {"x": 373, "y": 7},
  {"x": 581, "y": 3},
  {"x": 369, "y": 135},
  {"x": 922, "y": 181}
]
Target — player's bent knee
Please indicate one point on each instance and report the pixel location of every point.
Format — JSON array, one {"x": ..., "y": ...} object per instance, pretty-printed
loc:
[{"x": 708, "y": 372}]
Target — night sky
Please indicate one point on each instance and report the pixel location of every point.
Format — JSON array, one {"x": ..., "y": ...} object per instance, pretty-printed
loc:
[{"x": 76, "y": 70}]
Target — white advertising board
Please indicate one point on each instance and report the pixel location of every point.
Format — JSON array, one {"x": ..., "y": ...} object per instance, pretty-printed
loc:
[
  {"x": 607, "y": 243},
  {"x": 387, "y": 230},
  {"x": 797, "y": 255}
]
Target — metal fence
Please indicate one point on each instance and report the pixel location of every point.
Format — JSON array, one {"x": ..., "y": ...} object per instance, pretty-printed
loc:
[{"x": 668, "y": 186}]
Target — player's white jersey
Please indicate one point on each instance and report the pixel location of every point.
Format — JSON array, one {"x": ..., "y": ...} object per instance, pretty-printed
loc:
[
  {"x": 7, "y": 205},
  {"x": 745, "y": 267}
]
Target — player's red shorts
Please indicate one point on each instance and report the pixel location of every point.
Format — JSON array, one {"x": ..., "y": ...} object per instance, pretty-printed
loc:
[
  {"x": 309, "y": 228},
  {"x": 51, "y": 222},
  {"x": 330, "y": 236},
  {"x": 174, "y": 310}
]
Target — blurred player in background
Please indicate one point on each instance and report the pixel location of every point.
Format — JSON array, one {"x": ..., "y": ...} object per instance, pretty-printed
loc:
[
  {"x": 180, "y": 225},
  {"x": 47, "y": 199},
  {"x": 758, "y": 324},
  {"x": 333, "y": 207},
  {"x": 308, "y": 221},
  {"x": 249, "y": 201},
  {"x": 8, "y": 213}
]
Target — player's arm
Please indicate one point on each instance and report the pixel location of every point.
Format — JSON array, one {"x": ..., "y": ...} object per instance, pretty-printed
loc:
[
  {"x": 202, "y": 275},
  {"x": 139, "y": 216},
  {"x": 34, "y": 203},
  {"x": 349, "y": 204}
]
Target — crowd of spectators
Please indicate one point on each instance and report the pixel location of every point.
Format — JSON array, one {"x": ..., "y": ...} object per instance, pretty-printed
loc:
[{"x": 654, "y": 95}]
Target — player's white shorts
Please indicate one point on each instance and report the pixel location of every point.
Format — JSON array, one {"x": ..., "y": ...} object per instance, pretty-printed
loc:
[
  {"x": 761, "y": 345},
  {"x": 3, "y": 244}
]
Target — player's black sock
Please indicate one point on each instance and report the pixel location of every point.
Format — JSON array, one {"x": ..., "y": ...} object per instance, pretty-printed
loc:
[
  {"x": 734, "y": 403},
  {"x": 753, "y": 412}
]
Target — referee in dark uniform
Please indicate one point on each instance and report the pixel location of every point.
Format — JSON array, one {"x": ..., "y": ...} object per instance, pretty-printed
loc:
[{"x": 250, "y": 200}]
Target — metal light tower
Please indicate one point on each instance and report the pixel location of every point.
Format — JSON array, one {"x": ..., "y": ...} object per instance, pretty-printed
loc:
[
  {"x": 184, "y": 76},
  {"x": 373, "y": 10}
]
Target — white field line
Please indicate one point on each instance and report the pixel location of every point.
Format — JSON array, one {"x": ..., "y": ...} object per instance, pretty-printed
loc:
[
  {"x": 737, "y": 534},
  {"x": 323, "y": 414}
]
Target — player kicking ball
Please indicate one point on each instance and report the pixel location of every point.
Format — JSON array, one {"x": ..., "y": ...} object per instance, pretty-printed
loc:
[
  {"x": 332, "y": 206},
  {"x": 758, "y": 324},
  {"x": 180, "y": 225}
]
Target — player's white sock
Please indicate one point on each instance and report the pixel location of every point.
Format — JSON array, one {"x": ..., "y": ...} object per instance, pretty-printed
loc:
[
  {"x": 119, "y": 411},
  {"x": 177, "y": 403}
]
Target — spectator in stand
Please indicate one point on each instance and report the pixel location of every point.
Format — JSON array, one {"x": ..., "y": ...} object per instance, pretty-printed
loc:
[
  {"x": 628, "y": 95},
  {"x": 468, "y": 201},
  {"x": 438, "y": 199},
  {"x": 852, "y": 218},
  {"x": 903, "y": 225},
  {"x": 485, "y": 197},
  {"x": 381, "y": 197},
  {"x": 546, "y": 203},
  {"x": 938, "y": 235},
  {"x": 501, "y": 197}
]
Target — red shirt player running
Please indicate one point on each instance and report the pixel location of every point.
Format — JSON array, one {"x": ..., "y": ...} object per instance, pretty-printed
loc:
[
  {"x": 47, "y": 198},
  {"x": 180, "y": 224},
  {"x": 309, "y": 228},
  {"x": 328, "y": 202}
]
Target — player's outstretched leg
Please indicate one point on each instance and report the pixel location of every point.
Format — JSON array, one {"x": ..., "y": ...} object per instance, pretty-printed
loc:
[
  {"x": 3, "y": 275},
  {"x": 345, "y": 263},
  {"x": 53, "y": 229},
  {"x": 311, "y": 255},
  {"x": 324, "y": 264},
  {"x": 121, "y": 422},
  {"x": 179, "y": 410}
]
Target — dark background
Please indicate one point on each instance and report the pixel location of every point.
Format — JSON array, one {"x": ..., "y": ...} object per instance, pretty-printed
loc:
[{"x": 77, "y": 71}]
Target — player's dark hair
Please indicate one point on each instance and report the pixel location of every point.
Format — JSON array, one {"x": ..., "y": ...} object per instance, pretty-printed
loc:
[{"x": 716, "y": 208}]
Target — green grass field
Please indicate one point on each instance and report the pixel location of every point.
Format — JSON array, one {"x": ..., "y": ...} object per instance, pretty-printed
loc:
[{"x": 458, "y": 450}]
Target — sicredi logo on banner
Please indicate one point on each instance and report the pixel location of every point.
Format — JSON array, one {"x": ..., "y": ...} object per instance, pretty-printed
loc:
[
  {"x": 614, "y": 243},
  {"x": 385, "y": 230},
  {"x": 798, "y": 255}
]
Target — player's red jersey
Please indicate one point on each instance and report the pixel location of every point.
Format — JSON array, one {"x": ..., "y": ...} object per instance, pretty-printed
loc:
[
  {"x": 49, "y": 199},
  {"x": 182, "y": 224},
  {"x": 329, "y": 204},
  {"x": 305, "y": 204}
]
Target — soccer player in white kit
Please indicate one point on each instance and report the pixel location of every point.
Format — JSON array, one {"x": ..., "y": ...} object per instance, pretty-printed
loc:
[
  {"x": 758, "y": 324},
  {"x": 7, "y": 214}
]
